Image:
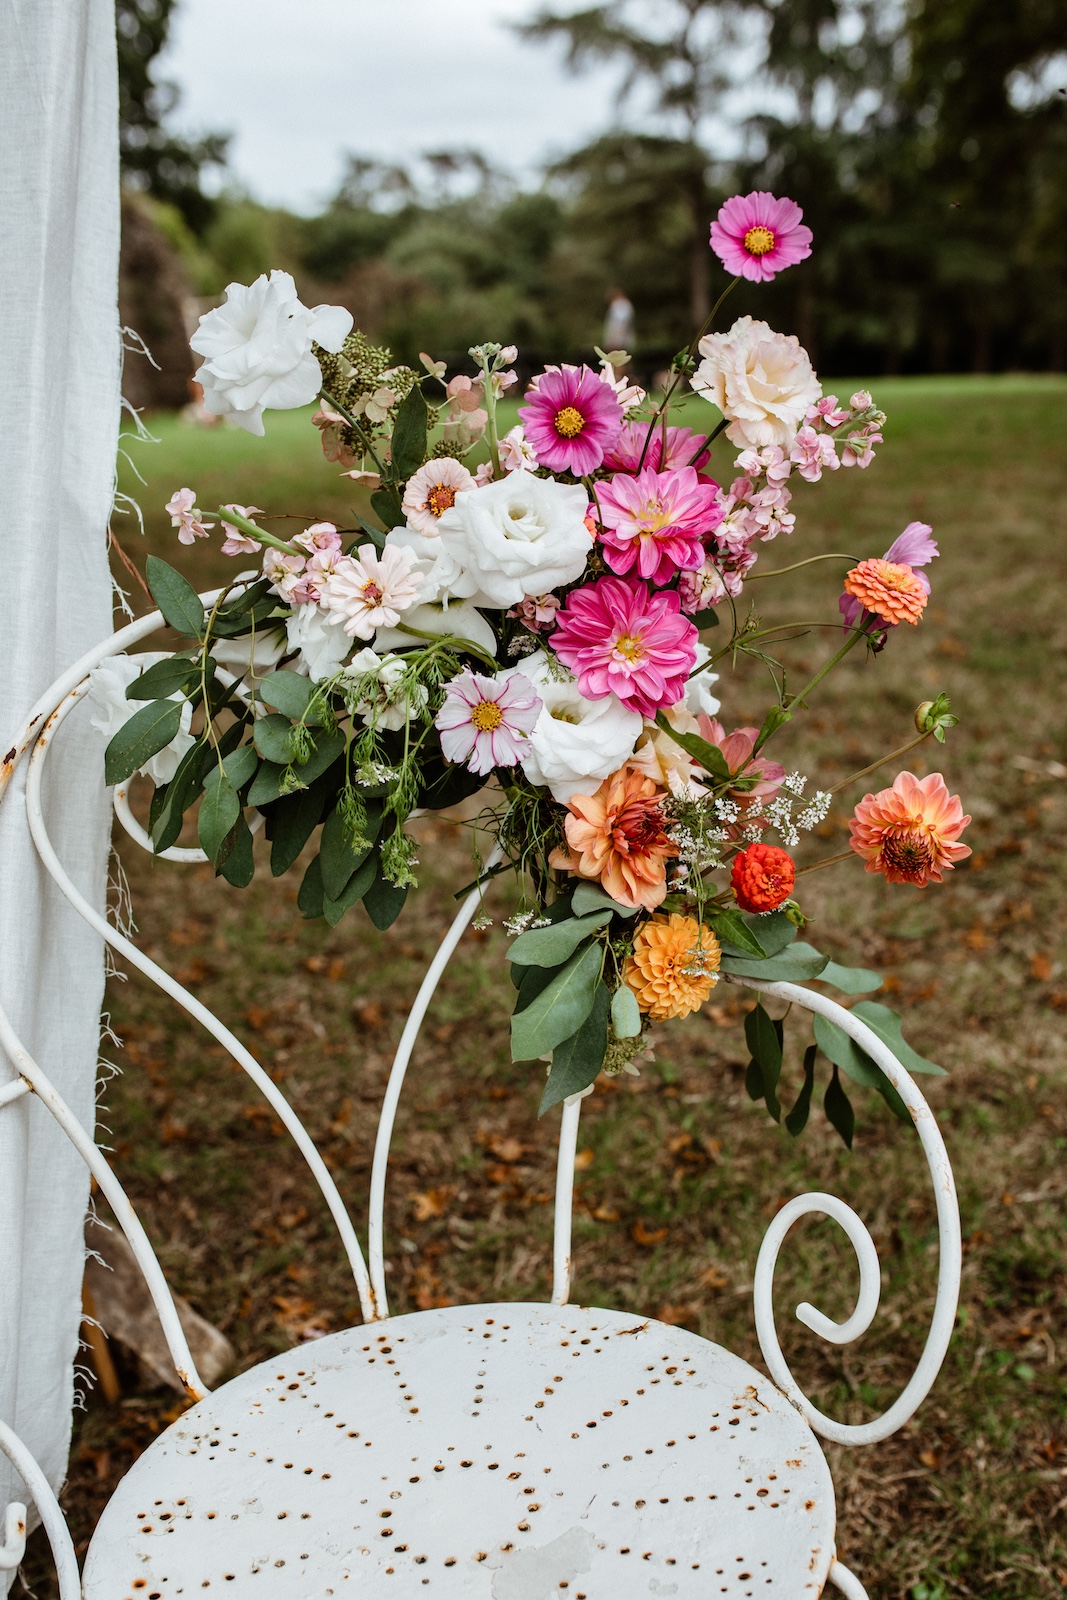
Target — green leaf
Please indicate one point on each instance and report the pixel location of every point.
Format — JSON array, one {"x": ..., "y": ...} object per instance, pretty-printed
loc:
[
  {"x": 339, "y": 860},
  {"x": 850, "y": 980},
  {"x": 375, "y": 535},
  {"x": 776, "y": 718},
  {"x": 577, "y": 1060},
  {"x": 273, "y": 736},
  {"x": 708, "y": 755},
  {"x": 793, "y": 966},
  {"x": 797, "y": 1119},
  {"x": 219, "y": 811},
  {"x": 408, "y": 444},
  {"x": 182, "y": 790},
  {"x": 239, "y": 866},
  {"x": 773, "y": 929},
  {"x": 290, "y": 693},
  {"x": 838, "y": 1108},
  {"x": 560, "y": 1008},
  {"x": 840, "y": 1048},
  {"x": 385, "y": 503},
  {"x": 383, "y": 901},
  {"x": 352, "y": 893},
  {"x": 529, "y": 981},
  {"x": 140, "y": 738},
  {"x": 549, "y": 947},
  {"x": 625, "y": 1013},
  {"x": 175, "y": 597},
  {"x": 764, "y": 1036},
  {"x": 885, "y": 1022},
  {"x": 736, "y": 936},
  {"x": 294, "y": 819},
  {"x": 267, "y": 784},
  {"x": 310, "y": 897},
  {"x": 241, "y": 765},
  {"x": 708, "y": 618},
  {"x": 166, "y": 678},
  {"x": 589, "y": 897}
]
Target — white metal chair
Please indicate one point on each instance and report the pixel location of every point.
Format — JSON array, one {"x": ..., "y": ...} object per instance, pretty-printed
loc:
[{"x": 510, "y": 1451}]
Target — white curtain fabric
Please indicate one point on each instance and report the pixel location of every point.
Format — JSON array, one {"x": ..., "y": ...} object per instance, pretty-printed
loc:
[{"x": 60, "y": 356}]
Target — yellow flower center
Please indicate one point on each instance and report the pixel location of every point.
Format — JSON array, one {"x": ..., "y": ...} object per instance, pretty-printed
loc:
[
  {"x": 630, "y": 647},
  {"x": 569, "y": 422},
  {"x": 759, "y": 240},
  {"x": 486, "y": 716},
  {"x": 442, "y": 497}
]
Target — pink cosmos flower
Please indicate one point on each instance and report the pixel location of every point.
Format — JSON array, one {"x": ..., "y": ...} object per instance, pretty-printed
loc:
[
  {"x": 487, "y": 722},
  {"x": 915, "y": 549},
  {"x": 571, "y": 419},
  {"x": 656, "y": 520},
  {"x": 812, "y": 452},
  {"x": 369, "y": 590},
  {"x": 684, "y": 449},
  {"x": 756, "y": 235},
  {"x": 236, "y": 542},
  {"x": 181, "y": 507},
  {"x": 618, "y": 638},
  {"x": 321, "y": 537}
]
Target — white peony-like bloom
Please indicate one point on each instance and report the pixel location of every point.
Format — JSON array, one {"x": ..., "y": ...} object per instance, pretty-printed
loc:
[
  {"x": 322, "y": 647},
  {"x": 258, "y": 349},
  {"x": 761, "y": 381},
  {"x": 108, "y": 683},
  {"x": 519, "y": 536},
  {"x": 577, "y": 743}
]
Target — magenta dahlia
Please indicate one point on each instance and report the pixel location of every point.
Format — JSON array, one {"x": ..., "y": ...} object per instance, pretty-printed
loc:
[
  {"x": 618, "y": 638},
  {"x": 684, "y": 449},
  {"x": 756, "y": 235},
  {"x": 571, "y": 417},
  {"x": 656, "y": 521}
]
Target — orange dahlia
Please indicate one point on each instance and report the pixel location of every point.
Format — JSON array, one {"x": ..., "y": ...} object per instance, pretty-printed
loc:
[
  {"x": 909, "y": 832},
  {"x": 887, "y": 589},
  {"x": 762, "y": 877},
  {"x": 617, "y": 835},
  {"x": 674, "y": 966}
]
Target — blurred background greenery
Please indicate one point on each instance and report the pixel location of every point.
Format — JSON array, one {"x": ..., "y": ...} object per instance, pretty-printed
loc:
[{"x": 925, "y": 139}]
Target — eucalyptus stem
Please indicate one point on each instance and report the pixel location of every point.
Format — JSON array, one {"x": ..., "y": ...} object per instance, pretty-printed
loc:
[
  {"x": 894, "y": 755},
  {"x": 778, "y": 572},
  {"x": 228, "y": 514},
  {"x": 356, "y": 427}
]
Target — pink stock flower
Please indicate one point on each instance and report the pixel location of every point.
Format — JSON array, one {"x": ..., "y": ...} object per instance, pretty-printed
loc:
[
  {"x": 536, "y": 612},
  {"x": 236, "y": 542},
  {"x": 516, "y": 454},
  {"x": 827, "y": 411},
  {"x": 812, "y": 452},
  {"x": 618, "y": 638},
  {"x": 684, "y": 449},
  {"x": 286, "y": 573},
  {"x": 369, "y": 590},
  {"x": 756, "y": 235},
  {"x": 915, "y": 549},
  {"x": 656, "y": 521},
  {"x": 770, "y": 459},
  {"x": 857, "y": 449},
  {"x": 699, "y": 591},
  {"x": 321, "y": 537},
  {"x": 182, "y": 509},
  {"x": 571, "y": 419},
  {"x": 487, "y": 722}
]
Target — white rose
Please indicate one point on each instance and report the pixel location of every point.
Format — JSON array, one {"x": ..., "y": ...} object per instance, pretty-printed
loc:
[
  {"x": 108, "y": 683},
  {"x": 761, "y": 381},
  {"x": 577, "y": 743},
  {"x": 521, "y": 535},
  {"x": 440, "y": 571},
  {"x": 258, "y": 349},
  {"x": 322, "y": 647}
]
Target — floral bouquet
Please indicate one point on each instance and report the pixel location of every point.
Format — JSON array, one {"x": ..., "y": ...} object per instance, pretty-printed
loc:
[{"x": 542, "y": 629}]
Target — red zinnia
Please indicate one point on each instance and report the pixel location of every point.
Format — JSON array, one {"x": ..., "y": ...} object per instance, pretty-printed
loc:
[{"x": 762, "y": 877}]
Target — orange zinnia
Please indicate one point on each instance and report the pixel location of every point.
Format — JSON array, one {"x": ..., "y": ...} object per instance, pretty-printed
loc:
[
  {"x": 887, "y": 589},
  {"x": 909, "y": 832},
  {"x": 674, "y": 966},
  {"x": 617, "y": 835}
]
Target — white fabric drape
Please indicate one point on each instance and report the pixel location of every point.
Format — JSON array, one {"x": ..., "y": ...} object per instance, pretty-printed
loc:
[{"x": 60, "y": 358}]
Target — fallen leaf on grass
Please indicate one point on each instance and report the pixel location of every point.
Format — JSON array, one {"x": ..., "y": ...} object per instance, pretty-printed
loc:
[
  {"x": 429, "y": 1203},
  {"x": 505, "y": 1148},
  {"x": 368, "y": 1014},
  {"x": 642, "y": 1234},
  {"x": 682, "y": 1316},
  {"x": 713, "y": 1278},
  {"x": 930, "y": 1458},
  {"x": 300, "y": 1317},
  {"x": 584, "y": 1158},
  {"x": 196, "y": 972},
  {"x": 1040, "y": 967},
  {"x": 606, "y": 1214}
]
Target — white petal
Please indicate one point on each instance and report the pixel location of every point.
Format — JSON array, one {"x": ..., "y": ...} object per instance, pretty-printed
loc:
[{"x": 331, "y": 326}]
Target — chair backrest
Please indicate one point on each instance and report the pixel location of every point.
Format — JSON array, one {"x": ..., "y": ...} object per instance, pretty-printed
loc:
[{"x": 37, "y": 736}]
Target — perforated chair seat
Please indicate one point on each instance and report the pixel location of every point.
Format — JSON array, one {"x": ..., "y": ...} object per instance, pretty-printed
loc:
[{"x": 512, "y": 1452}]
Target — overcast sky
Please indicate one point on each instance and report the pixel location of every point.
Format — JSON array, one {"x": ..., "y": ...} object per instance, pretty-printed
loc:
[{"x": 300, "y": 82}]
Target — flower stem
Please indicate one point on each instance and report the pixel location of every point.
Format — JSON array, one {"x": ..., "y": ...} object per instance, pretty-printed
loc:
[
  {"x": 490, "y": 426},
  {"x": 894, "y": 755},
  {"x": 837, "y": 555},
  {"x": 827, "y": 861},
  {"x": 774, "y": 722},
  {"x": 254, "y": 531},
  {"x": 676, "y": 380},
  {"x": 460, "y": 645},
  {"x": 324, "y": 394}
]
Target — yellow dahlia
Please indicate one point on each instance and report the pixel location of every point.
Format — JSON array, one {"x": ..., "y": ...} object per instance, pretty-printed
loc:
[{"x": 674, "y": 966}]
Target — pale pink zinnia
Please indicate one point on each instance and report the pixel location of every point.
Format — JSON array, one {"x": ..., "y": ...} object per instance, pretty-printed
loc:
[
  {"x": 432, "y": 491},
  {"x": 183, "y": 513},
  {"x": 571, "y": 419},
  {"x": 237, "y": 542},
  {"x": 756, "y": 235},
  {"x": 656, "y": 521},
  {"x": 618, "y": 638},
  {"x": 487, "y": 722},
  {"x": 911, "y": 831},
  {"x": 369, "y": 590}
]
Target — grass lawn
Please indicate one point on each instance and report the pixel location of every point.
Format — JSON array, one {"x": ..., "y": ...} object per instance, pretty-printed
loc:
[{"x": 679, "y": 1172}]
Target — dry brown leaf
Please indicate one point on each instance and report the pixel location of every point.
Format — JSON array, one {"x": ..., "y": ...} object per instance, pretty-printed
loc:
[
  {"x": 606, "y": 1214},
  {"x": 584, "y": 1158},
  {"x": 505, "y": 1148},
  {"x": 1040, "y": 967},
  {"x": 681, "y": 1316},
  {"x": 368, "y": 1014},
  {"x": 429, "y": 1203},
  {"x": 713, "y": 1278},
  {"x": 642, "y": 1234}
]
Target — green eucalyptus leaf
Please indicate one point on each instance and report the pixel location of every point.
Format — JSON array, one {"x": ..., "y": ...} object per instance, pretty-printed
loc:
[
  {"x": 577, "y": 1060},
  {"x": 352, "y": 893},
  {"x": 850, "y": 980},
  {"x": 239, "y": 866},
  {"x": 310, "y": 896},
  {"x": 268, "y": 784},
  {"x": 294, "y": 819},
  {"x": 219, "y": 811},
  {"x": 140, "y": 738},
  {"x": 773, "y": 929},
  {"x": 885, "y": 1022},
  {"x": 385, "y": 503},
  {"x": 291, "y": 693},
  {"x": 560, "y": 1008},
  {"x": 797, "y": 965},
  {"x": 175, "y": 597},
  {"x": 736, "y": 936},
  {"x": 548, "y": 947},
  {"x": 764, "y": 1037},
  {"x": 273, "y": 736},
  {"x": 529, "y": 981},
  {"x": 840, "y": 1048},
  {"x": 625, "y": 1013},
  {"x": 383, "y": 901},
  {"x": 589, "y": 897},
  {"x": 165, "y": 678},
  {"x": 241, "y": 765},
  {"x": 339, "y": 860},
  {"x": 181, "y": 791},
  {"x": 838, "y": 1108},
  {"x": 797, "y": 1119}
]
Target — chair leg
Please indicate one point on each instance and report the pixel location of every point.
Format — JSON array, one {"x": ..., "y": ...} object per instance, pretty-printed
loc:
[{"x": 847, "y": 1582}]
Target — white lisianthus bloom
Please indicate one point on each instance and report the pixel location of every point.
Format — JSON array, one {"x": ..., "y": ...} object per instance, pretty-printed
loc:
[
  {"x": 519, "y": 536},
  {"x": 258, "y": 349},
  {"x": 385, "y": 709},
  {"x": 322, "y": 647},
  {"x": 577, "y": 743},
  {"x": 253, "y": 654},
  {"x": 440, "y": 618},
  {"x": 761, "y": 381},
  {"x": 108, "y": 683}
]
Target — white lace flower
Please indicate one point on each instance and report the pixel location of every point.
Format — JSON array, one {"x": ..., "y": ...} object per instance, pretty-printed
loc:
[
  {"x": 108, "y": 683},
  {"x": 521, "y": 535},
  {"x": 761, "y": 381},
  {"x": 577, "y": 743},
  {"x": 258, "y": 349}
]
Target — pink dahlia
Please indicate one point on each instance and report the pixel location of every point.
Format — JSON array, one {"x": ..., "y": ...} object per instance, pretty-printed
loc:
[
  {"x": 618, "y": 638},
  {"x": 911, "y": 831},
  {"x": 756, "y": 235},
  {"x": 487, "y": 722},
  {"x": 684, "y": 449},
  {"x": 656, "y": 520},
  {"x": 570, "y": 419}
]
